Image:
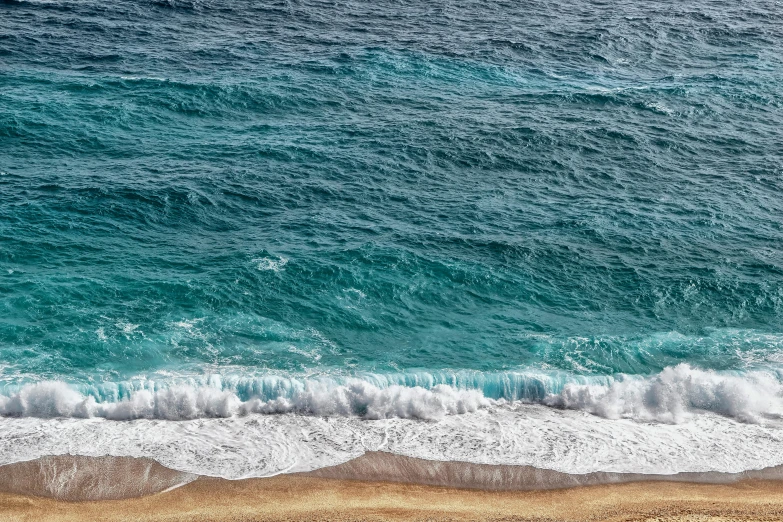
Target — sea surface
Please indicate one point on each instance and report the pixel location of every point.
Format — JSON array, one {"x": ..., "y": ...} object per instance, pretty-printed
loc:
[{"x": 248, "y": 237}]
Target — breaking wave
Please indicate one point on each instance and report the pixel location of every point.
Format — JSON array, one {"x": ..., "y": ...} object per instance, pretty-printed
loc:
[
  {"x": 180, "y": 402},
  {"x": 671, "y": 396},
  {"x": 678, "y": 392}
]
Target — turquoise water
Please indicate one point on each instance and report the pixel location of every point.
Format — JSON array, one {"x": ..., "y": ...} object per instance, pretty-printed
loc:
[{"x": 264, "y": 198}]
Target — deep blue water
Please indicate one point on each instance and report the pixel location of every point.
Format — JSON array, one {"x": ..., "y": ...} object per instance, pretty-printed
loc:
[{"x": 410, "y": 192}]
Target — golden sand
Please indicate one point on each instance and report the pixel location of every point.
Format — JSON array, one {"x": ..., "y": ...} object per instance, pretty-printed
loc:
[
  {"x": 331, "y": 494},
  {"x": 291, "y": 497}
]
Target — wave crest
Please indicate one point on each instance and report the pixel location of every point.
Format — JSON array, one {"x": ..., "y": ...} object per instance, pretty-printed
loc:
[
  {"x": 671, "y": 396},
  {"x": 181, "y": 402},
  {"x": 676, "y": 393}
]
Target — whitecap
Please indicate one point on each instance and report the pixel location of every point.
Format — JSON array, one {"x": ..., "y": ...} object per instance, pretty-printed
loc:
[{"x": 270, "y": 264}]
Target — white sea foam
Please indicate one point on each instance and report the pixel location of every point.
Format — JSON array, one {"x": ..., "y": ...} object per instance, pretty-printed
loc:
[
  {"x": 270, "y": 264},
  {"x": 682, "y": 419},
  {"x": 659, "y": 108},
  {"x": 520, "y": 434},
  {"x": 179, "y": 402},
  {"x": 671, "y": 396},
  {"x": 677, "y": 393}
]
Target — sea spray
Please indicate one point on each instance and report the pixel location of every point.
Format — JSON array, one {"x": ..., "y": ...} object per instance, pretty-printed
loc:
[{"x": 672, "y": 396}]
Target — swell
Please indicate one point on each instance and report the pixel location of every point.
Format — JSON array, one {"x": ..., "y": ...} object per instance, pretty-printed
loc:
[
  {"x": 674, "y": 395},
  {"x": 347, "y": 90}
]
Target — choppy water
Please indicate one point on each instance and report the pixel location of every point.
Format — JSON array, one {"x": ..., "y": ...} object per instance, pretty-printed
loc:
[{"x": 477, "y": 213}]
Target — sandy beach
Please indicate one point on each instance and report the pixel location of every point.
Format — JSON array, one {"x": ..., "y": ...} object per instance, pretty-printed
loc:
[{"x": 309, "y": 497}]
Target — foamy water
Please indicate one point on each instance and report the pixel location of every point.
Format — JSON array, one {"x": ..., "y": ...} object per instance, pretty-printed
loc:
[
  {"x": 681, "y": 420},
  {"x": 264, "y": 445}
]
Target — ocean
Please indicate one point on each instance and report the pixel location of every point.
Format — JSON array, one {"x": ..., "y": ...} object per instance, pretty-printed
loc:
[{"x": 246, "y": 238}]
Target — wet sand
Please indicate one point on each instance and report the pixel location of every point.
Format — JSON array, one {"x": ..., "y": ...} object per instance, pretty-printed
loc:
[{"x": 309, "y": 497}]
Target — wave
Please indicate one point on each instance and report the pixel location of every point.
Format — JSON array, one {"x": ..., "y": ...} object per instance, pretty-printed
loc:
[
  {"x": 179, "y": 402},
  {"x": 678, "y": 392},
  {"x": 672, "y": 396},
  {"x": 512, "y": 434}
]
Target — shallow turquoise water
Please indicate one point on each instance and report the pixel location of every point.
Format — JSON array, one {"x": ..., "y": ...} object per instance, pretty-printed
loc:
[{"x": 492, "y": 195}]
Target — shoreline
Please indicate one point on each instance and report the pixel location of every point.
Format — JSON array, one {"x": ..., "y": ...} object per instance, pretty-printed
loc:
[
  {"x": 78, "y": 478},
  {"x": 376, "y": 486},
  {"x": 379, "y": 466}
]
